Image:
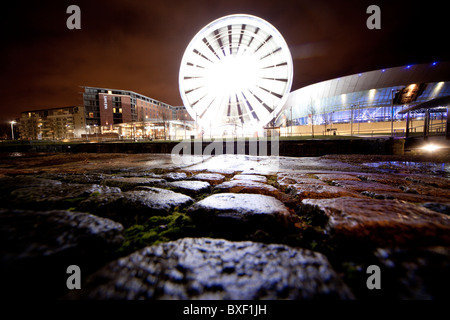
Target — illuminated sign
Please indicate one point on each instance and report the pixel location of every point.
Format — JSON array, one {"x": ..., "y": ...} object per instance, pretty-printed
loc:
[{"x": 409, "y": 94}]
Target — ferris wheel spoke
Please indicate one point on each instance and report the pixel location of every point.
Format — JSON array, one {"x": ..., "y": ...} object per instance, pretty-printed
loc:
[
  {"x": 279, "y": 96},
  {"x": 276, "y": 65},
  {"x": 250, "y": 108},
  {"x": 271, "y": 53},
  {"x": 262, "y": 103},
  {"x": 206, "y": 42}
]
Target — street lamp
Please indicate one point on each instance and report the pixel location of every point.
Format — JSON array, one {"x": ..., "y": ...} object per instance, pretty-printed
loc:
[
  {"x": 12, "y": 129},
  {"x": 87, "y": 134},
  {"x": 392, "y": 110}
]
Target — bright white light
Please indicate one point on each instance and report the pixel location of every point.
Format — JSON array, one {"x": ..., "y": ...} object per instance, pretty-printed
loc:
[
  {"x": 431, "y": 147},
  {"x": 230, "y": 75},
  {"x": 237, "y": 71},
  {"x": 437, "y": 89},
  {"x": 372, "y": 93}
]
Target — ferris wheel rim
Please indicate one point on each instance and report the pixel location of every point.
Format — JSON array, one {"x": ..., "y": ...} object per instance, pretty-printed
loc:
[{"x": 229, "y": 21}]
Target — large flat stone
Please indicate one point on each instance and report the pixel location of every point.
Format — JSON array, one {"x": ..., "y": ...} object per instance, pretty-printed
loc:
[
  {"x": 190, "y": 187},
  {"x": 361, "y": 186},
  {"x": 239, "y": 214},
  {"x": 319, "y": 191},
  {"x": 57, "y": 196},
  {"x": 441, "y": 207},
  {"x": 434, "y": 181},
  {"x": 248, "y": 186},
  {"x": 336, "y": 176},
  {"x": 404, "y": 196},
  {"x": 250, "y": 177},
  {"x": 129, "y": 183},
  {"x": 287, "y": 178},
  {"x": 205, "y": 268},
  {"x": 78, "y": 178},
  {"x": 37, "y": 247},
  {"x": 383, "y": 222},
  {"x": 429, "y": 190},
  {"x": 175, "y": 176},
  {"x": 212, "y": 178},
  {"x": 8, "y": 184},
  {"x": 134, "y": 207},
  {"x": 389, "y": 179}
]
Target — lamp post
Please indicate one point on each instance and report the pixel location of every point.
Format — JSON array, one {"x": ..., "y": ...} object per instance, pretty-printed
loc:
[
  {"x": 12, "y": 129},
  {"x": 392, "y": 114},
  {"x": 392, "y": 111},
  {"x": 291, "y": 121}
]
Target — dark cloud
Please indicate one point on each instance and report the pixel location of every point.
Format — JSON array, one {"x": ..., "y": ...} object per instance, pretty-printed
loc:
[{"x": 138, "y": 45}]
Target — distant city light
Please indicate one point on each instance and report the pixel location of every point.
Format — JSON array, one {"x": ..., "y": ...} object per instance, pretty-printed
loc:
[
  {"x": 408, "y": 67},
  {"x": 383, "y": 70},
  {"x": 434, "y": 63},
  {"x": 431, "y": 147}
]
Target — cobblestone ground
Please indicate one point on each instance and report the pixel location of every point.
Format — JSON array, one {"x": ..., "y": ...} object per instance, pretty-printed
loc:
[{"x": 140, "y": 226}]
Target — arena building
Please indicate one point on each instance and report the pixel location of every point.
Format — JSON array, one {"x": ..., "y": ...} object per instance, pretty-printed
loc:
[{"x": 368, "y": 103}]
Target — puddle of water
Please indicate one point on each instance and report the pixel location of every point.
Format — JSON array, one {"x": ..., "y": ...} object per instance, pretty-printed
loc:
[{"x": 411, "y": 167}]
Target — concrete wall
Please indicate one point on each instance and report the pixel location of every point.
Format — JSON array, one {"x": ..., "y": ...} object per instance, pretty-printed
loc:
[{"x": 292, "y": 148}]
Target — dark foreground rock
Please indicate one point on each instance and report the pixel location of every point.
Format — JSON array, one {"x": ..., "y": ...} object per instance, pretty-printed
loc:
[
  {"x": 383, "y": 222},
  {"x": 9, "y": 184},
  {"x": 135, "y": 207},
  {"x": 416, "y": 273},
  {"x": 37, "y": 247},
  {"x": 204, "y": 268},
  {"x": 235, "y": 215},
  {"x": 58, "y": 196},
  {"x": 129, "y": 183}
]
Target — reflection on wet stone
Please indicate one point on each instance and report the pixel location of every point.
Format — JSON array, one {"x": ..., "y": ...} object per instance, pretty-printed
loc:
[
  {"x": 222, "y": 227},
  {"x": 205, "y": 268}
]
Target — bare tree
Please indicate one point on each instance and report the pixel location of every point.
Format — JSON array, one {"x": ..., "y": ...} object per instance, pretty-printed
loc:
[{"x": 312, "y": 111}]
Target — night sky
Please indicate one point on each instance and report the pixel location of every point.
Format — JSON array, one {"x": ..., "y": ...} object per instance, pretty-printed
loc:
[{"x": 138, "y": 45}]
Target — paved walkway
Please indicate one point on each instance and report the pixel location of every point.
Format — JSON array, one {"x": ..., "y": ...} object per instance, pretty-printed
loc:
[{"x": 342, "y": 214}]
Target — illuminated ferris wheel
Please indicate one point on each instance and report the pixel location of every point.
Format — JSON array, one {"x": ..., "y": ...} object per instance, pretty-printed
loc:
[{"x": 236, "y": 70}]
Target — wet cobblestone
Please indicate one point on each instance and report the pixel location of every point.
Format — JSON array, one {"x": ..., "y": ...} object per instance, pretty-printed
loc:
[{"x": 338, "y": 208}]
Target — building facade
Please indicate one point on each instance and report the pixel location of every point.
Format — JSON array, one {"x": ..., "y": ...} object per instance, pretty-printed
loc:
[
  {"x": 106, "y": 113},
  {"x": 182, "y": 114},
  {"x": 106, "y": 107},
  {"x": 53, "y": 124},
  {"x": 368, "y": 101}
]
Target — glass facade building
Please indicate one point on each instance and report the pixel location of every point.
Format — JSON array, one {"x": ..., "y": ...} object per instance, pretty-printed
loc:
[{"x": 375, "y": 96}]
